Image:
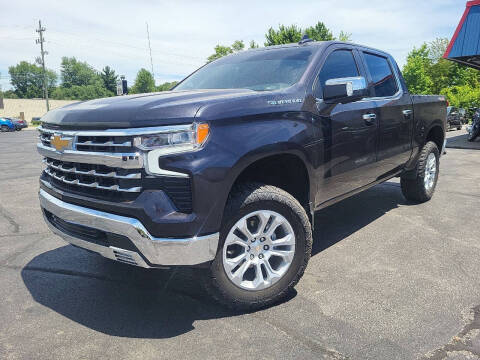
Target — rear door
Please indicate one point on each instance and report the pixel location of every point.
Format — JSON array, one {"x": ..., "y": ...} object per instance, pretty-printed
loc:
[
  {"x": 349, "y": 131},
  {"x": 394, "y": 112}
]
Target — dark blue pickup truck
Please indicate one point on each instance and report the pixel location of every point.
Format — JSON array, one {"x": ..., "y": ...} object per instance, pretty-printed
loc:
[{"x": 225, "y": 171}]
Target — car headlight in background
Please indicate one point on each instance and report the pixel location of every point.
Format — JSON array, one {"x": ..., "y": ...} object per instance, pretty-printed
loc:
[{"x": 172, "y": 140}]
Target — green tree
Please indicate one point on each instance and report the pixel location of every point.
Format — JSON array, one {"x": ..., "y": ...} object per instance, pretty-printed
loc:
[
  {"x": 464, "y": 96},
  {"x": 95, "y": 90},
  {"x": 109, "y": 79},
  {"x": 144, "y": 83},
  {"x": 238, "y": 45},
  {"x": 344, "y": 36},
  {"x": 417, "y": 71},
  {"x": 9, "y": 94},
  {"x": 293, "y": 34},
  {"x": 319, "y": 32},
  {"x": 166, "y": 86},
  {"x": 221, "y": 50},
  {"x": 284, "y": 35},
  {"x": 76, "y": 72},
  {"x": 437, "y": 48},
  {"x": 253, "y": 45},
  {"x": 27, "y": 80},
  {"x": 427, "y": 72}
]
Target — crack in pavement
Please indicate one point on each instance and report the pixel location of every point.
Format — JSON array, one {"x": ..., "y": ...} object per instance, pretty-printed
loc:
[
  {"x": 466, "y": 342},
  {"x": 10, "y": 219},
  {"x": 309, "y": 343}
]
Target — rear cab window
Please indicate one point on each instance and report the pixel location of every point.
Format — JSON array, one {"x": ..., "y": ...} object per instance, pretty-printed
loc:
[{"x": 384, "y": 81}]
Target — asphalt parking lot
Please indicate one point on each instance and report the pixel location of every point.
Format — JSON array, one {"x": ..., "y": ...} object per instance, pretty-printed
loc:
[{"x": 387, "y": 280}]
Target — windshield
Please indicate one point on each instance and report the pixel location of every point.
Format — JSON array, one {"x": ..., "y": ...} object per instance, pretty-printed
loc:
[{"x": 255, "y": 70}]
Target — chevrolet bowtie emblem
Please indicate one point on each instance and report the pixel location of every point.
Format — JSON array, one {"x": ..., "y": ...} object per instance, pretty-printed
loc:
[{"x": 58, "y": 143}]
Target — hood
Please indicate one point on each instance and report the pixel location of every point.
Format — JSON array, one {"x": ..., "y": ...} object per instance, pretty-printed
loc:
[{"x": 143, "y": 110}]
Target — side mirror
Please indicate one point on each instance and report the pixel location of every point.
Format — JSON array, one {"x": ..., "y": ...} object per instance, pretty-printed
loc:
[{"x": 344, "y": 90}]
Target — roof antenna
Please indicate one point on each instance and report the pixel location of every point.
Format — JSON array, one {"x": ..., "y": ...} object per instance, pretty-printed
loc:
[{"x": 305, "y": 39}]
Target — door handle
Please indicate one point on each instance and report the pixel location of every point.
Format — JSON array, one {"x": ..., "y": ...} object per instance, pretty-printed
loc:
[
  {"x": 407, "y": 113},
  {"x": 369, "y": 118}
]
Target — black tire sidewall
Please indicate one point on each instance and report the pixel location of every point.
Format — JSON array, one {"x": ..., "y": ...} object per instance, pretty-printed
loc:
[{"x": 237, "y": 294}]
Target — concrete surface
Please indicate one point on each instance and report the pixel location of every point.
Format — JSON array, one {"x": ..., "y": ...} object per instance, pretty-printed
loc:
[
  {"x": 457, "y": 139},
  {"x": 387, "y": 280}
]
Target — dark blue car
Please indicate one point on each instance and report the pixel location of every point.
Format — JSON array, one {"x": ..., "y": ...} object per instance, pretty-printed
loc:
[{"x": 6, "y": 125}]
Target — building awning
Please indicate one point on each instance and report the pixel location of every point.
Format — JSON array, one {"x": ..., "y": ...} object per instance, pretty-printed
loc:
[{"x": 465, "y": 44}]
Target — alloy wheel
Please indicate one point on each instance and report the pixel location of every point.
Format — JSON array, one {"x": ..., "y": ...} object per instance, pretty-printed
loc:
[
  {"x": 258, "y": 250},
  {"x": 430, "y": 171}
]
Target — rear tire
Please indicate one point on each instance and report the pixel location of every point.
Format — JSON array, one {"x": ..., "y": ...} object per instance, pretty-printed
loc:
[
  {"x": 422, "y": 187},
  {"x": 274, "y": 215},
  {"x": 4, "y": 128}
]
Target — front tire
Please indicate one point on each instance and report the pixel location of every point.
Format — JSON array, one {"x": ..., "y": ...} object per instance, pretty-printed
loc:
[
  {"x": 421, "y": 188},
  {"x": 4, "y": 128},
  {"x": 265, "y": 244}
]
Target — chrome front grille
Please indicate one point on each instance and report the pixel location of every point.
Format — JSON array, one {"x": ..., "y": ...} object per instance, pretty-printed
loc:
[
  {"x": 94, "y": 176},
  {"x": 77, "y": 169},
  {"x": 82, "y": 141},
  {"x": 105, "y": 165},
  {"x": 104, "y": 143}
]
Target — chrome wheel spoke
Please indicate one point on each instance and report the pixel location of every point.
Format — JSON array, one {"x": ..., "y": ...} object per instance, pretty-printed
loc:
[
  {"x": 276, "y": 222},
  {"x": 258, "y": 282},
  {"x": 271, "y": 274},
  {"x": 243, "y": 227},
  {"x": 235, "y": 240},
  {"x": 231, "y": 263},
  {"x": 238, "y": 274},
  {"x": 286, "y": 240},
  {"x": 263, "y": 223},
  {"x": 285, "y": 254}
]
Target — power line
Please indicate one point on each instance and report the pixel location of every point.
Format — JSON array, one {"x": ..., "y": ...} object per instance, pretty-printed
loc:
[
  {"x": 100, "y": 39},
  {"x": 40, "y": 41},
  {"x": 150, "y": 48}
]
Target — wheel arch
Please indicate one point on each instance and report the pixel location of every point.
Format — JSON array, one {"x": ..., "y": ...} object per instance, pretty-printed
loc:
[
  {"x": 436, "y": 134},
  {"x": 287, "y": 170}
]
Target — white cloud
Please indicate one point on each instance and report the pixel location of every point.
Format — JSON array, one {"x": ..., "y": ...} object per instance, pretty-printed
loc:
[{"x": 183, "y": 33}]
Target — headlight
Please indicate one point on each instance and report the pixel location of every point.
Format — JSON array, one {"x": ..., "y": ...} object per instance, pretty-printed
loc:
[
  {"x": 176, "y": 139},
  {"x": 170, "y": 140}
]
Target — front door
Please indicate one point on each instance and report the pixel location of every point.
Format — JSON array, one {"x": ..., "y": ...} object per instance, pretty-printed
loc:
[{"x": 348, "y": 132}]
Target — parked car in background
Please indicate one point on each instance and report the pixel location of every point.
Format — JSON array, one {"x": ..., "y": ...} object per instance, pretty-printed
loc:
[
  {"x": 453, "y": 118},
  {"x": 6, "y": 125},
  {"x": 463, "y": 115},
  {"x": 18, "y": 123},
  {"x": 35, "y": 121}
]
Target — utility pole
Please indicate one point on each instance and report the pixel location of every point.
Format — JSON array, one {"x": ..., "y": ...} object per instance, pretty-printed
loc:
[
  {"x": 40, "y": 41},
  {"x": 150, "y": 48}
]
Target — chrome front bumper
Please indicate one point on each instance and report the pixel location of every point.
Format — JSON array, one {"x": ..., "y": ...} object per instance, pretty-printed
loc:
[{"x": 157, "y": 251}]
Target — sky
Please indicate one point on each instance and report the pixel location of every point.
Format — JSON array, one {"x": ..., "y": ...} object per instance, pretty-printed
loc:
[{"x": 183, "y": 33}]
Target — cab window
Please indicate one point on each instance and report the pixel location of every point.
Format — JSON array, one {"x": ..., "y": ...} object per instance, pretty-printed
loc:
[
  {"x": 339, "y": 64},
  {"x": 384, "y": 82}
]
